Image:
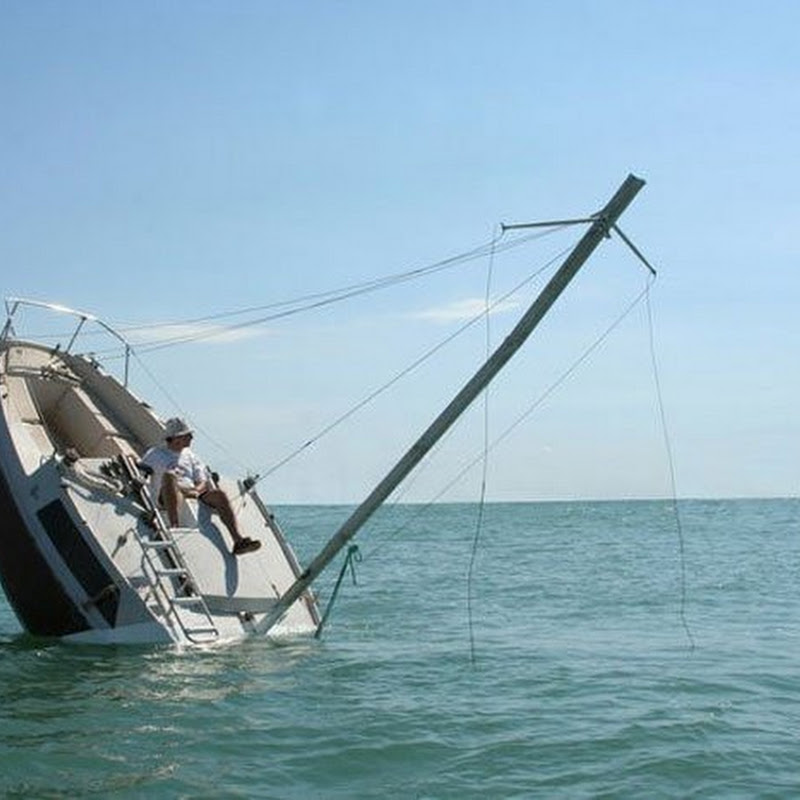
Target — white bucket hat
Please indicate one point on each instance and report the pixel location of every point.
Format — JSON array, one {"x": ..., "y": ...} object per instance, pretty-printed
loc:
[{"x": 176, "y": 426}]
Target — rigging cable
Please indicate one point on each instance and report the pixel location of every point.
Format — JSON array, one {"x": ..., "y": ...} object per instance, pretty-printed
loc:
[
  {"x": 521, "y": 418},
  {"x": 673, "y": 482},
  {"x": 176, "y": 405},
  {"x": 482, "y": 502},
  {"x": 488, "y": 447},
  {"x": 317, "y": 300},
  {"x": 410, "y": 368},
  {"x": 548, "y": 391},
  {"x": 491, "y": 247},
  {"x": 351, "y": 559}
]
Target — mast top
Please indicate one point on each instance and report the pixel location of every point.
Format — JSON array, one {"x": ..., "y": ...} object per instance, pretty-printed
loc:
[{"x": 631, "y": 180}]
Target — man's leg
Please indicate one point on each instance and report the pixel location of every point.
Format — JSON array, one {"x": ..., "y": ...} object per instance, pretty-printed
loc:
[
  {"x": 219, "y": 501},
  {"x": 169, "y": 496}
]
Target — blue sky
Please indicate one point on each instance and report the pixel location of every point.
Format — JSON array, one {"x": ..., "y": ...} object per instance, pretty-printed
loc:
[{"x": 171, "y": 160}]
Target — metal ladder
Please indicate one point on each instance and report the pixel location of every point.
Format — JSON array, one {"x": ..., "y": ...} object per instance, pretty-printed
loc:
[{"x": 166, "y": 569}]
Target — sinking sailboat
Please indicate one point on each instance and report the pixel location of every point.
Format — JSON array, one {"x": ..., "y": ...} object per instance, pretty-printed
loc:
[
  {"x": 86, "y": 551},
  {"x": 86, "y": 554}
]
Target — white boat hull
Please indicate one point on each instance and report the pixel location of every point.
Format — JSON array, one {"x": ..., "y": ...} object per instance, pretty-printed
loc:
[{"x": 79, "y": 556}]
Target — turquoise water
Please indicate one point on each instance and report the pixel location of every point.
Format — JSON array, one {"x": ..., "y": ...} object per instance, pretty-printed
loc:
[{"x": 583, "y": 680}]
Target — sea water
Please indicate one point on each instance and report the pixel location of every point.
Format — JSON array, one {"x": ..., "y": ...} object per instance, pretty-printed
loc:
[{"x": 616, "y": 649}]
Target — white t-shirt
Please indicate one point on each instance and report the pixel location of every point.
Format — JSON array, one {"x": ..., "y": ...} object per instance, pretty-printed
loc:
[{"x": 185, "y": 465}]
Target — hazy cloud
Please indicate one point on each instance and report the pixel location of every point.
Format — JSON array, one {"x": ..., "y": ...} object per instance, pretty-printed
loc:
[
  {"x": 187, "y": 332},
  {"x": 463, "y": 310}
]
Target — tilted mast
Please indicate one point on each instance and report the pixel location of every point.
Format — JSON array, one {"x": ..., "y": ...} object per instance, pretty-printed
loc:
[{"x": 600, "y": 228}]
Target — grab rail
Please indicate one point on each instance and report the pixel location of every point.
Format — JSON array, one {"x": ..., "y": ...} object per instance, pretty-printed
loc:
[{"x": 13, "y": 304}]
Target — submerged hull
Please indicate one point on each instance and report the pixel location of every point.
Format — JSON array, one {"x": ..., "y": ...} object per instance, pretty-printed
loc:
[{"x": 82, "y": 556}]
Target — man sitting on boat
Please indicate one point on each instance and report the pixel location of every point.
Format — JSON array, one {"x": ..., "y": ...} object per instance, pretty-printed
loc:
[{"x": 178, "y": 472}]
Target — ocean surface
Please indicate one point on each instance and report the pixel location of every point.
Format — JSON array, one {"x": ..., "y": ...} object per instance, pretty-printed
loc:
[{"x": 599, "y": 650}]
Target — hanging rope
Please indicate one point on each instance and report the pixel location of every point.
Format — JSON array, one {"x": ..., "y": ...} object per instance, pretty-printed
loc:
[
  {"x": 673, "y": 483},
  {"x": 482, "y": 502},
  {"x": 351, "y": 559}
]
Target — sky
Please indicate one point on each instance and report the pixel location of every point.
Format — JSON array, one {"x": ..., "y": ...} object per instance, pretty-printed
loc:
[{"x": 169, "y": 161}]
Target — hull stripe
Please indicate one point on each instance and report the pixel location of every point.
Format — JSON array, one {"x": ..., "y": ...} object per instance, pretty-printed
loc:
[
  {"x": 80, "y": 559},
  {"x": 39, "y": 601}
]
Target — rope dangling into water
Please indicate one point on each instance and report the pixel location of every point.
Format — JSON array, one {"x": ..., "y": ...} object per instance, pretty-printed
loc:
[
  {"x": 671, "y": 463},
  {"x": 482, "y": 503},
  {"x": 353, "y": 557}
]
